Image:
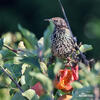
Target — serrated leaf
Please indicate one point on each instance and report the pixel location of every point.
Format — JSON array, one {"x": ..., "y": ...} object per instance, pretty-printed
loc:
[
  {"x": 30, "y": 95},
  {"x": 46, "y": 82},
  {"x": 1, "y": 43},
  {"x": 47, "y": 36},
  {"x": 15, "y": 69},
  {"x": 85, "y": 48},
  {"x": 28, "y": 36},
  {"x": 31, "y": 61},
  {"x": 28, "y": 79},
  {"x": 18, "y": 96}
]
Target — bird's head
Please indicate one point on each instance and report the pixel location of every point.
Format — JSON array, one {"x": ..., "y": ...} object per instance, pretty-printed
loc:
[{"x": 60, "y": 22}]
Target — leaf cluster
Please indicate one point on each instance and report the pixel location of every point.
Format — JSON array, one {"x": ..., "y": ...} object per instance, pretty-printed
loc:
[{"x": 25, "y": 58}]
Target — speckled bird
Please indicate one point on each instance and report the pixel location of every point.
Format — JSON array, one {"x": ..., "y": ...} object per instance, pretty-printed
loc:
[{"x": 62, "y": 43}]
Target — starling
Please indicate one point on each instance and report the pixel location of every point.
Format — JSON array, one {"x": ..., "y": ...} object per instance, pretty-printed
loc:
[{"x": 62, "y": 44}]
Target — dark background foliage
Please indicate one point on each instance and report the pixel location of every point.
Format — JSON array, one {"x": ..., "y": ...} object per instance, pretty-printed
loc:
[{"x": 83, "y": 15}]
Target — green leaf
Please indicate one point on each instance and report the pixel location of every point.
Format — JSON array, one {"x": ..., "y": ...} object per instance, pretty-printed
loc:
[
  {"x": 2, "y": 85},
  {"x": 86, "y": 74},
  {"x": 24, "y": 68},
  {"x": 51, "y": 72},
  {"x": 15, "y": 69},
  {"x": 45, "y": 97},
  {"x": 85, "y": 83},
  {"x": 47, "y": 36},
  {"x": 47, "y": 53},
  {"x": 29, "y": 36},
  {"x": 97, "y": 66},
  {"x": 85, "y": 48},
  {"x": 22, "y": 80},
  {"x": 31, "y": 61},
  {"x": 1, "y": 43},
  {"x": 60, "y": 93},
  {"x": 57, "y": 67},
  {"x": 28, "y": 52},
  {"x": 8, "y": 38},
  {"x": 7, "y": 54},
  {"x": 83, "y": 93},
  {"x": 43, "y": 67},
  {"x": 18, "y": 96},
  {"x": 41, "y": 43},
  {"x": 77, "y": 85},
  {"x": 18, "y": 36},
  {"x": 29, "y": 79},
  {"x": 12, "y": 91},
  {"x": 30, "y": 95},
  {"x": 46, "y": 82}
]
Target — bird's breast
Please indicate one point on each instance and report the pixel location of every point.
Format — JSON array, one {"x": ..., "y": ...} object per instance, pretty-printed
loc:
[{"x": 62, "y": 43}]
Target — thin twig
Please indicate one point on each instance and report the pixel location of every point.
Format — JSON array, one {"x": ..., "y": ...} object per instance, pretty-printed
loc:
[
  {"x": 63, "y": 11},
  {"x": 12, "y": 79},
  {"x": 15, "y": 51},
  {"x": 82, "y": 55}
]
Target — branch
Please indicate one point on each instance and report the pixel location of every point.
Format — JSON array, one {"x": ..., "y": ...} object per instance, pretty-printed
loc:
[
  {"x": 12, "y": 79},
  {"x": 13, "y": 50},
  {"x": 63, "y": 11},
  {"x": 82, "y": 55}
]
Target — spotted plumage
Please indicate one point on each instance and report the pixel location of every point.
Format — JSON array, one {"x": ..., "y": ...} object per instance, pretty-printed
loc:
[{"x": 62, "y": 43}]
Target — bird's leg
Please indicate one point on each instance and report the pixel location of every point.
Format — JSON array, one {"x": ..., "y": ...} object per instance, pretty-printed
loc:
[
  {"x": 67, "y": 62},
  {"x": 70, "y": 62},
  {"x": 74, "y": 55}
]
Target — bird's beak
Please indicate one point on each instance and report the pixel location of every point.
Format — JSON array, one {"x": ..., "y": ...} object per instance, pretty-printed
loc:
[{"x": 47, "y": 20}]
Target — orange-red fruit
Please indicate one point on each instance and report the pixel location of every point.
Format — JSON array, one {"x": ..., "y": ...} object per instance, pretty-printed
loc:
[
  {"x": 65, "y": 77},
  {"x": 65, "y": 97},
  {"x": 75, "y": 72},
  {"x": 38, "y": 89}
]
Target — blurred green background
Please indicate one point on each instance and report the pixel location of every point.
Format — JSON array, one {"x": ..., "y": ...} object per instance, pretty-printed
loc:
[{"x": 83, "y": 15}]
